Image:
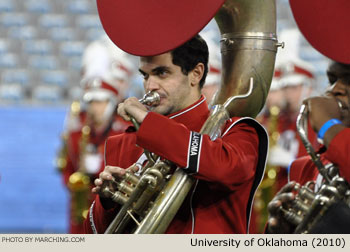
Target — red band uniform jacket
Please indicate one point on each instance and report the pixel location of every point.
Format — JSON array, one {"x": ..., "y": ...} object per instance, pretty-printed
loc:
[
  {"x": 227, "y": 170},
  {"x": 303, "y": 169},
  {"x": 118, "y": 126}
]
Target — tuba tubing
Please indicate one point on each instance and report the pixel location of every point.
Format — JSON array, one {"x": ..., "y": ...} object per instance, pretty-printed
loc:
[{"x": 248, "y": 49}]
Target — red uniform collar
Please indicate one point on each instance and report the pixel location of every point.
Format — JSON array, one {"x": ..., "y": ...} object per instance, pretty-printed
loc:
[{"x": 193, "y": 115}]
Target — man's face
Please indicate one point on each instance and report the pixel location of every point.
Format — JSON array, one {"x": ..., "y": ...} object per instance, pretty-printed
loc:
[
  {"x": 341, "y": 92},
  {"x": 294, "y": 95},
  {"x": 95, "y": 112},
  {"x": 339, "y": 78},
  {"x": 162, "y": 76},
  {"x": 275, "y": 98}
]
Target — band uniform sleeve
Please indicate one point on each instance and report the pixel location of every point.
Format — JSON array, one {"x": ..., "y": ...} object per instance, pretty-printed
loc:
[
  {"x": 98, "y": 218},
  {"x": 338, "y": 152},
  {"x": 302, "y": 170},
  {"x": 229, "y": 161}
]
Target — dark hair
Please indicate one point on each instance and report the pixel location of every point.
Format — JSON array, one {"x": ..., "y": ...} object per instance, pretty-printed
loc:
[
  {"x": 337, "y": 70},
  {"x": 188, "y": 55}
]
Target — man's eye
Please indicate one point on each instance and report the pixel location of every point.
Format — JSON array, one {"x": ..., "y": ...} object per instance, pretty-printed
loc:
[
  {"x": 332, "y": 78},
  {"x": 162, "y": 73}
]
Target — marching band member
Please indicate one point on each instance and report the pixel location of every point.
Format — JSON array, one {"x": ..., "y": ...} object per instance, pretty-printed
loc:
[
  {"x": 224, "y": 168},
  {"x": 106, "y": 74},
  {"x": 224, "y": 165},
  {"x": 328, "y": 115},
  {"x": 296, "y": 78}
]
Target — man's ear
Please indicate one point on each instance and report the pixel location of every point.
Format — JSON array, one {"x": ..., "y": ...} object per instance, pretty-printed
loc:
[{"x": 196, "y": 74}]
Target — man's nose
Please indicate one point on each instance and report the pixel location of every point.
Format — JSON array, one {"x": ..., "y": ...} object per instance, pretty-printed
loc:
[{"x": 151, "y": 84}]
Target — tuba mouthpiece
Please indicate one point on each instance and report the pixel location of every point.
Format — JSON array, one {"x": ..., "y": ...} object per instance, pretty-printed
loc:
[{"x": 152, "y": 98}]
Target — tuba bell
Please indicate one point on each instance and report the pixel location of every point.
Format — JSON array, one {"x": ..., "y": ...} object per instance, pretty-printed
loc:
[{"x": 248, "y": 47}]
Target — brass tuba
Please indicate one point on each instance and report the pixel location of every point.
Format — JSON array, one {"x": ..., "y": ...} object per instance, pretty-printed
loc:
[
  {"x": 248, "y": 48},
  {"x": 309, "y": 207},
  {"x": 61, "y": 158}
]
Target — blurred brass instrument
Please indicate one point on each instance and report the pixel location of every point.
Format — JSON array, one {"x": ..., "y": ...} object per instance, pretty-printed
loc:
[
  {"x": 309, "y": 207},
  {"x": 79, "y": 181},
  {"x": 248, "y": 48},
  {"x": 267, "y": 188},
  {"x": 61, "y": 159}
]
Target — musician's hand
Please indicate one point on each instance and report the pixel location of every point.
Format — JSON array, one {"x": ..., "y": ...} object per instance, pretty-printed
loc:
[
  {"x": 276, "y": 223},
  {"x": 132, "y": 107},
  {"x": 110, "y": 174},
  {"x": 321, "y": 109}
]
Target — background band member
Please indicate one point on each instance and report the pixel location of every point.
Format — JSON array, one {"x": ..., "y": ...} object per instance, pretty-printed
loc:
[{"x": 106, "y": 74}]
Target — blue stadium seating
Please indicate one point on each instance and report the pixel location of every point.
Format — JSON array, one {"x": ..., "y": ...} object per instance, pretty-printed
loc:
[
  {"x": 23, "y": 33},
  {"x": 47, "y": 94},
  {"x": 21, "y": 76},
  {"x": 42, "y": 47},
  {"x": 3, "y": 46},
  {"x": 93, "y": 34},
  {"x": 63, "y": 34},
  {"x": 43, "y": 62},
  {"x": 57, "y": 78},
  {"x": 79, "y": 7},
  {"x": 89, "y": 21},
  {"x": 14, "y": 19},
  {"x": 38, "y": 6},
  {"x": 8, "y": 60},
  {"x": 7, "y": 6},
  {"x": 53, "y": 20},
  {"x": 72, "y": 48},
  {"x": 11, "y": 92}
]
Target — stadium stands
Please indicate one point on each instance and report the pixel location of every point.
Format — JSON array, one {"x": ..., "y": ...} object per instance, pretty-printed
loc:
[{"x": 44, "y": 37}]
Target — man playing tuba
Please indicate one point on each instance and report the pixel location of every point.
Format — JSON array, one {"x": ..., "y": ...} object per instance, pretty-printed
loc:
[
  {"x": 174, "y": 63},
  {"x": 329, "y": 116},
  {"x": 224, "y": 169}
]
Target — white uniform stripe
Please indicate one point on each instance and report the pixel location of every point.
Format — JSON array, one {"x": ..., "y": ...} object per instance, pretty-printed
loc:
[
  {"x": 91, "y": 218},
  {"x": 188, "y": 151},
  {"x": 190, "y": 108},
  {"x": 199, "y": 155}
]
